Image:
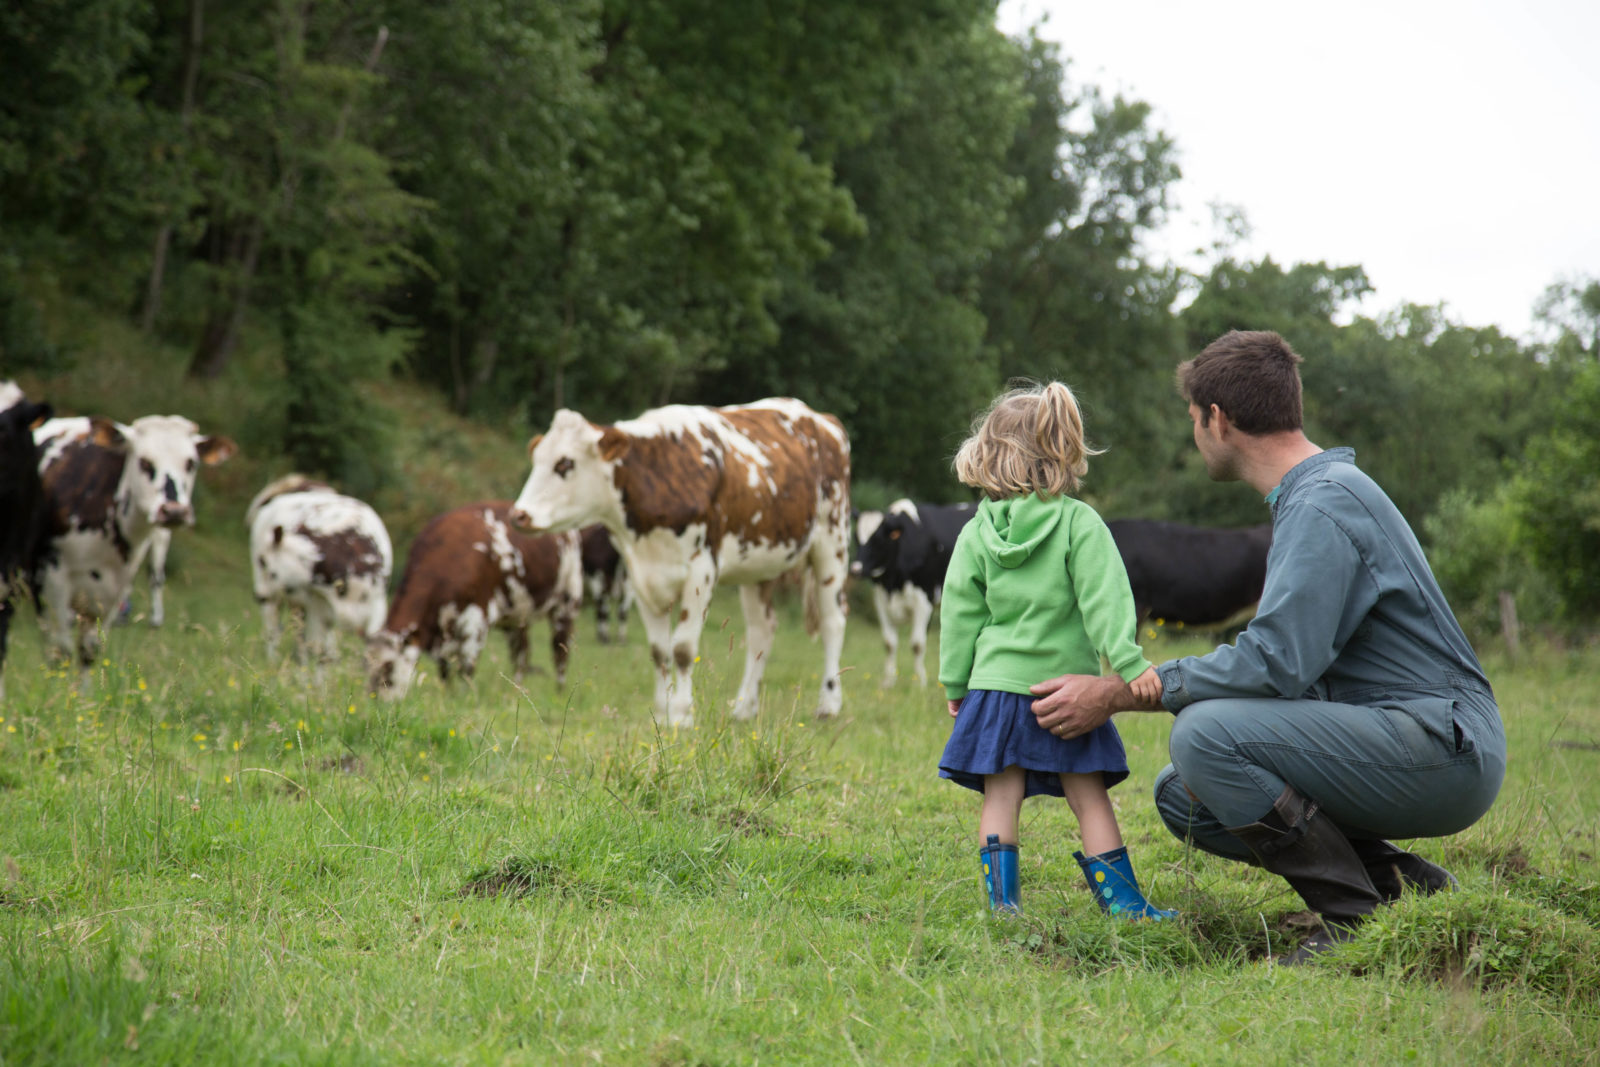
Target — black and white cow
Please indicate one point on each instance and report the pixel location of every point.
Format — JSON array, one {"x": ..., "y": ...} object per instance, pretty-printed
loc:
[
  {"x": 21, "y": 503},
  {"x": 607, "y": 579},
  {"x": 108, "y": 488},
  {"x": 1195, "y": 575},
  {"x": 319, "y": 552},
  {"x": 905, "y": 552},
  {"x": 694, "y": 496}
]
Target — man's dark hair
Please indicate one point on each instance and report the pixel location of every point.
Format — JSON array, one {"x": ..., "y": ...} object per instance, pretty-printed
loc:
[{"x": 1252, "y": 375}]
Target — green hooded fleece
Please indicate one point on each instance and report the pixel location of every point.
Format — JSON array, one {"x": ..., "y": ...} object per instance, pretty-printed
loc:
[{"x": 1035, "y": 589}]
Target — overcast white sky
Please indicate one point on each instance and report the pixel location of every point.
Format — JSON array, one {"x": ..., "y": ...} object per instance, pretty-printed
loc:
[{"x": 1450, "y": 147}]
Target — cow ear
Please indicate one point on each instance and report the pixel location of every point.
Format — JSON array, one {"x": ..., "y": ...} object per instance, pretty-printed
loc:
[
  {"x": 40, "y": 414},
  {"x": 104, "y": 432},
  {"x": 214, "y": 450},
  {"x": 613, "y": 444},
  {"x": 533, "y": 443}
]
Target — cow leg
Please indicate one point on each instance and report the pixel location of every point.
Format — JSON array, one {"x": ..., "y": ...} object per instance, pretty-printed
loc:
[
  {"x": 658, "y": 628},
  {"x": 316, "y": 638},
  {"x": 760, "y": 624},
  {"x": 921, "y": 615},
  {"x": 160, "y": 541},
  {"x": 600, "y": 592},
  {"x": 55, "y": 613},
  {"x": 517, "y": 645},
  {"x": 472, "y": 633},
  {"x": 829, "y": 565},
  {"x": 622, "y": 594},
  {"x": 891, "y": 635},
  {"x": 698, "y": 585},
  {"x": 563, "y": 620},
  {"x": 270, "y": 628}
]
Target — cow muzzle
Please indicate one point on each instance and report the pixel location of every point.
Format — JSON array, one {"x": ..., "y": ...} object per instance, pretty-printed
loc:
[
  {"x": 170, "y": 515},
  {"x": 523, "y": 521}
]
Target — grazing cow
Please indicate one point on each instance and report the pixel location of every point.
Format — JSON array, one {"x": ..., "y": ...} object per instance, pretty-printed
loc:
[
  {"x": 108, "y": 488},
  {"x": 1198, "y": 576},
  {"x": 693, "y": 496},
  {"x": 607, "y": 578},
  {"x": 470, "y": 571},
  {"x": 905, "y": 552},
  {"x": 21, "y": 502},
  {"x": 323, "y": 553}
]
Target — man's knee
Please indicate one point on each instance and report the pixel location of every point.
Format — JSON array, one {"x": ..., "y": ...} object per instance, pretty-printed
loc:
[{"x": 1200, "y": 738}]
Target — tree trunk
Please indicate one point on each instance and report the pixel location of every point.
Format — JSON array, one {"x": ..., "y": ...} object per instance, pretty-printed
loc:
[
  {"x": 158, "y": 258},
  {"x": 1510, "y": 630},
  {"x": 221, "y": 333}
]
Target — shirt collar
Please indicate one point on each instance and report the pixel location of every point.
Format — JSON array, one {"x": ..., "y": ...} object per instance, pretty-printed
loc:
[{"x": 1309, "y": 465}]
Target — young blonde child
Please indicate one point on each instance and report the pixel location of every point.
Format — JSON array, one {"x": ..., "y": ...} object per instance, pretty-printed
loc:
[{"x": 1036, "y": 589}]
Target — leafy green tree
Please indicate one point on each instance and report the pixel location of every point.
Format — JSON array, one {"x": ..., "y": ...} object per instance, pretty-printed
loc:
[
  {"x": 1557, "y": 496},
  {"x": 1071, "y": 294}
]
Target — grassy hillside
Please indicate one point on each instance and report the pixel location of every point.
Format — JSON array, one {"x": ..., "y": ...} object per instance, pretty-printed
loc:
[{"x": 209, "y": 857}]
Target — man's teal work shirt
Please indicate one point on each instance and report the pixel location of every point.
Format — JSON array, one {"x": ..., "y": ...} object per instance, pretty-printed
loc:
[{"x": 1350, "y": 613}]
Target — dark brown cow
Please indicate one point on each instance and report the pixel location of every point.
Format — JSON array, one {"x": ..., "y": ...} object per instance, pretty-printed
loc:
[
  {"x": 693, "y": 496},
  {"x": 22, "y": 507},
  {"x": 607, "y": 578},
  {"x": 470, "y": 571}
]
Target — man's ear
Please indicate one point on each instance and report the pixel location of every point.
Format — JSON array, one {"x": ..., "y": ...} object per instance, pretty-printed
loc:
[{"x": 1220, "y": 424}]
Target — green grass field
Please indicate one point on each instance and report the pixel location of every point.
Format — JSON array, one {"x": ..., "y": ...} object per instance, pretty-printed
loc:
[
  {"x": 212, "y": 858},
  {"x": 209, "y": 858}
]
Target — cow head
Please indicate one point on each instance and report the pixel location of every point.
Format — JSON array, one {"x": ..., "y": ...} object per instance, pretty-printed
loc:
[
  {"x": 573, "y": 480},
  {"x": 163, "y": 457},
  {"x": 867, "y": 523},
  {"x": 881, "y": 534},
  {"x": 391, "y": 664}
]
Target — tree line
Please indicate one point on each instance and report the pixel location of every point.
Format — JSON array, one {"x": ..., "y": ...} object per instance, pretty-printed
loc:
[{"x": 887, "y": 209}]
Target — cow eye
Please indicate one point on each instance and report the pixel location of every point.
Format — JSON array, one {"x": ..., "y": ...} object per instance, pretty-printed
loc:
[
  {"x": 148, "y": 468},
  {"x": 894, "y": 535},
  {"x": 189, "y": 467},
  {"x": 563, "y": 467}
]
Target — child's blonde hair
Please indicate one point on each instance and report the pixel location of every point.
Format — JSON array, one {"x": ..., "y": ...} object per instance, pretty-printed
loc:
[{"x": 1029, "y": 441}]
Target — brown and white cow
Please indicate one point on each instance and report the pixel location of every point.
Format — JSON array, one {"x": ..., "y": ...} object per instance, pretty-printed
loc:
[
  {"x": 470, "y": 571},
  {"x": 108, "y": 488},
  {"x": 322, "y": 553},
  {"x": 693, "y": 496}
]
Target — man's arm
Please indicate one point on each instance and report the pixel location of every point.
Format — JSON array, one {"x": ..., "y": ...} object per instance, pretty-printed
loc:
[{"x": 1075, "y": 704}]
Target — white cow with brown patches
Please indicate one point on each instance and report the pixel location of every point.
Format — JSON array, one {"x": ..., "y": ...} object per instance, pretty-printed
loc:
[
  {"x": 470, "y": 572},
  {"x": 109, "y": 488},
  {"x": 321, "y": 553},
  {"x": 694, "y": 496}
]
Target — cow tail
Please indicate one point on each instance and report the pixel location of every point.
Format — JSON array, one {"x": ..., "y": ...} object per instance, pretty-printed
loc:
[{"x": 813, "y": 605}]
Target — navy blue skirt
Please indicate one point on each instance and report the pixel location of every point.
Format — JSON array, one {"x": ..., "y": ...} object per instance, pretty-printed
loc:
[{"x": 997, "y": 730}]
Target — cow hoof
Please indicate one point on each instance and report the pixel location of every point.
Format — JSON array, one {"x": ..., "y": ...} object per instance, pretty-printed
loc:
[{"x": 827, "y": 713}]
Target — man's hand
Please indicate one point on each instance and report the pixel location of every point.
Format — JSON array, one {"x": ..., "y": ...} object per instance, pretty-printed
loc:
[{"x": 1076, "y": 704}]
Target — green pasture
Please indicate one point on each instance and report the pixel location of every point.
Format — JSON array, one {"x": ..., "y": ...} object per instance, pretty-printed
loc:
[{"x": 209, "y": 857}]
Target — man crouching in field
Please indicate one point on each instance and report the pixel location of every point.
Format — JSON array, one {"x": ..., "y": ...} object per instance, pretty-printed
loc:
[{"x": 1352, "y": 709}]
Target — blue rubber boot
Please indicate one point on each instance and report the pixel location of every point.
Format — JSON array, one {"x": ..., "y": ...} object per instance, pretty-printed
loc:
[
  {"x": 1115, "y": 889},
  {"x": 1001, "y": 877}
]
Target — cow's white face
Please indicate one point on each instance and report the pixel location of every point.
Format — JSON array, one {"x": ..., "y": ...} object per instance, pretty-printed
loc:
[
  {"x": 572, "y": 482},
  {"x": 164, "y": 454},
  {"x": 391, "y": 664}
]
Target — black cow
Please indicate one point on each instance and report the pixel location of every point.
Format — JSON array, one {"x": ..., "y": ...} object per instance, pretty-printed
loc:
[
  {"x": 607, "y": 579},
  {"x": 1194, "y": 575},
  {"x": 22, "y": 509},
  {"x": 905, "y": 551}
]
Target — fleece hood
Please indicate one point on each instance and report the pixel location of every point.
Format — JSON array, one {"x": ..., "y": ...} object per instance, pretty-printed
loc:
[{"x": 1012, "y": 529}]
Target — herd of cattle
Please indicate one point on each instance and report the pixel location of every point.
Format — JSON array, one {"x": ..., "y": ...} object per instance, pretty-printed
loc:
[{"x": 654, "y": 512}]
